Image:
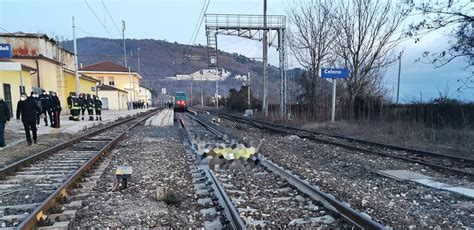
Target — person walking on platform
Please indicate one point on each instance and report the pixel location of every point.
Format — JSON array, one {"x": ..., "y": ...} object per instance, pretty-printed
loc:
[
  {"x": 34, "y": 96},
  {"x": 73, "y": 105},
  {"x": 169, "y": 101},
  {"x": 27, "y": 109},
  {"x": 98, "y": 108},
  {"x": 56, "y": 109},
  {"x": 89, "y": 104},
  {"x": 82, "y": 103},
  {"x": 4, "y": 118},
  {"x": 46, "y": 104}
]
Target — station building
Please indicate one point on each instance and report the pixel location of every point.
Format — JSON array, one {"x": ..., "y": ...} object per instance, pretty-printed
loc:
[
  {"x": 115, "y": 80},
  {"x": 46, "y": 65},
  {"x": 53, "y": 65},
  {"x": 113, "y": 98},
  {"x": 87, "y": 84},
  {"x": 15, "y": 78},
  {"x": 144, "y": 94}
]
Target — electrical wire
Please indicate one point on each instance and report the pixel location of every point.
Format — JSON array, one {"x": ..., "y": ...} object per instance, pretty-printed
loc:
[
  {"x": 84, "y": 31},
  {"x": 111, "y": 18},
  {"x": 90, "y": 8},
  {"x": 197, "y": 28},
  {"x": 197, "y": 22}
]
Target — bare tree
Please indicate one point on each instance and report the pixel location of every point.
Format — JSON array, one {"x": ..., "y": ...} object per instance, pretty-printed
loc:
[
  {"x": 443, "y": 15},
  {"x": 368, "y": 31},
  {"x": 458, "y": 17},
  {"x": 311, "y": 37}
]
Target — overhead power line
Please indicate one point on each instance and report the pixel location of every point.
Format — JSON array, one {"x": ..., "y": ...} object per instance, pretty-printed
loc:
[
  {"x": 197, "y": 22},
  {"x": 197, "y": 28},
  {"x": 111, "y": 18},
  {"x": 90, "y": 8},
  {"x": 84, "y": 31}
]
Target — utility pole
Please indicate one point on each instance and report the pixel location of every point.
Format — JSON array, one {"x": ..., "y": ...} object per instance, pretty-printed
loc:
[
  {"x": 76, "y": 66},
  {"x": 399, "y": 70},
  {"x": 217, "y": 87},
  {"x": 202, "y": 97},
  {"x": 138, "y": 54},
  {"x": 248, "y": 90},
  {"x": 191, "y": 94},
  {"x": 129, "y": 89},
  {"x": 265, "y": 60},
  {"x": 123, "y": 38}
]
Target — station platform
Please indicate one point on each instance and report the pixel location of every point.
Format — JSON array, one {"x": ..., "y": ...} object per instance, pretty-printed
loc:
[{"x": 14, "y": 131}]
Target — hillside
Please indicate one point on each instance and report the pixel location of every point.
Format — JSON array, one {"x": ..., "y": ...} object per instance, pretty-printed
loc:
[{"x": 160, "y": 59}]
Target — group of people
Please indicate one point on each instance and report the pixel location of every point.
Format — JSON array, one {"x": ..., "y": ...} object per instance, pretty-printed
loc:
[
  {"x": 138, "y": 105},
  {"x": 49, "y": 106},
  {"x": 79, "y": 104},
  {"x": 29, "y": 110}
]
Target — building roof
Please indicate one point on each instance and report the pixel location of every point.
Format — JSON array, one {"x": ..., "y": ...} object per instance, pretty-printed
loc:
[
  {"x": 33, "y": 35},
  {"x": 145, "y": 87},
  {"x": 86, "y": 77},
  {"x": 23, "y": 67},
  {"x": 81, "y": 75},
  {"x": 110, "y": 88},
  {"x": 105, "y": 66}
]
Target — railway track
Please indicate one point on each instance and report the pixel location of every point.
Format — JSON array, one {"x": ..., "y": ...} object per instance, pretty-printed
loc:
[
  {"x": 271, "y": 196},
  {"x": 31, "y": 187},
  {"x": 456, "y": 164}
]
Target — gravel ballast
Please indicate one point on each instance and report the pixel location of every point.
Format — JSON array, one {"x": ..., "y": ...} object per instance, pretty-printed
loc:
[
  {"x": 158, "y": 159},
  {"x": 350, "y": 176}
]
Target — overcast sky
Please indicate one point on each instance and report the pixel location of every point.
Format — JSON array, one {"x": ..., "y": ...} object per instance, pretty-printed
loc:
[{"x": 175, "y": 20}]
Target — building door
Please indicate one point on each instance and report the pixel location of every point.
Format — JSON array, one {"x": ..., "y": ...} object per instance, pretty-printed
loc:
[
  {"x": 105, "y": 103},
  {"x": 7, "y": 91}
]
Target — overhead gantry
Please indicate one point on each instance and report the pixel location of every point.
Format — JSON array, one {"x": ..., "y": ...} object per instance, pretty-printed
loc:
[{"x": 256, "y": 28}]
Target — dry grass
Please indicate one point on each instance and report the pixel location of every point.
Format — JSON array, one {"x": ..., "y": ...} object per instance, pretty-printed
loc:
[
  {"x": 447, "y": 140},
  {"x": 414, "y": 135}
]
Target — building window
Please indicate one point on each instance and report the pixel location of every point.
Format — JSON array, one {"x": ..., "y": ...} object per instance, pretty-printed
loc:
[
  {"x": 111, "y": 81},
  {"x": 101, "y": 79}
]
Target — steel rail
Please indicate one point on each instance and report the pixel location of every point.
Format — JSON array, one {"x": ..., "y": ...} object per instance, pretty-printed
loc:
[
  {"x": 28, "y": 160},
  {"x": 40, "y": 212},
  {"x": 224, "y": 200},
  {"x": 286, "y": 129},
  {"x": 229, "y": 209},
  {"x": 328, "y": 201}
]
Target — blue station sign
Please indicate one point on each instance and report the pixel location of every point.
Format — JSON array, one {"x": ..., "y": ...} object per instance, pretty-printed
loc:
[
  {"x": 5, "y": 50},
  {"x": 334, "y": 73}
]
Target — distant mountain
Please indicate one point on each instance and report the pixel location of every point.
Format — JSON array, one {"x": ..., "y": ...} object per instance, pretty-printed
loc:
[{"x": 160, "y": 59}]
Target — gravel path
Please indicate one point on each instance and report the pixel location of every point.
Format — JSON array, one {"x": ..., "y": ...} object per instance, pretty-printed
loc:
[
  {"x": 158, "y": 159},
  {"x": 350, "y": 177},
  {"x": 21, "y": 150}
]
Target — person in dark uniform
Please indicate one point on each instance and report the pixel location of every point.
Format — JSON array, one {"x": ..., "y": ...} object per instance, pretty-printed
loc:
[
  {"x": 98, "y": 108},
  {"x": 28, "y": 109},
  {"x": 4, "y": 118},
  {"x": 56, "y": 108},
  {"x": 46, "y": 104},
  {"x": 81, "y": 100},
  {"x": 89, "y": 104},
  {"x": 34, "y": 96}
]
